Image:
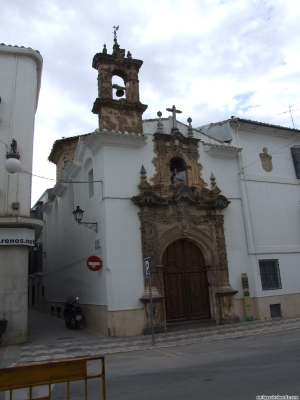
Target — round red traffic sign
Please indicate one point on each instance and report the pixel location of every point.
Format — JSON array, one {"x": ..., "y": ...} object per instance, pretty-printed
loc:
[{"x": 94, "y": 263}]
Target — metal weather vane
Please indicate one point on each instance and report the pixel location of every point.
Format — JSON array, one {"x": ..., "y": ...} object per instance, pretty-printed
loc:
[{"x": 115, "y": 32}]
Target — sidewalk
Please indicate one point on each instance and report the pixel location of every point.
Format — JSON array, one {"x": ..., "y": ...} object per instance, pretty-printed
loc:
[{"x": 50, "y": 339}]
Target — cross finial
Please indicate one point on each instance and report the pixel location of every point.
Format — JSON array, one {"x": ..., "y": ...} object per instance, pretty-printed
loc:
[
  {"x": 174, "y": 112},
  {"x": 115, "y": 32}
]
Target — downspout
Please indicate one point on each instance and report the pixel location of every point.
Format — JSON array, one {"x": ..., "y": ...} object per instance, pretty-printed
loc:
[{"x": 247, "y": 210}]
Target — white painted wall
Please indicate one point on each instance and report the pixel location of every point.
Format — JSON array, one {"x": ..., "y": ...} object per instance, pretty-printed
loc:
[
  {"x": 19, "y": 82},
  {"x": 120, "y": 284},
  {"x": 261, "y": 221},
  {"x": 273, "y": 209}
]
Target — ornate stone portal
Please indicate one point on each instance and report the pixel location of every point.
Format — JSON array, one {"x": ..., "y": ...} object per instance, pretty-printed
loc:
[{"x": 184, "y": 209}]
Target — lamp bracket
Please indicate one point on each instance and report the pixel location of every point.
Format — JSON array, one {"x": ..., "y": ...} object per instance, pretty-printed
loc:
[{"x": 90, "y": 225}]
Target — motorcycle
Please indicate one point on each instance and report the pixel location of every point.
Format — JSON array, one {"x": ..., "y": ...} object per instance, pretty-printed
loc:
[{"x": 72, "y": 313}]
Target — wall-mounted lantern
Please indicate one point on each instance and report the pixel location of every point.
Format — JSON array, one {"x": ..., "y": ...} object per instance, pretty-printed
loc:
[
  {"x": 78, "y": 214},
  {"x": 12, "y": 163}
]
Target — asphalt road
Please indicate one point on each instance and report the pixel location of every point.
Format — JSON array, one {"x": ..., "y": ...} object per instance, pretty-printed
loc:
[
  {"x": 228, "y": 369},
  {"x": 266, "y": 364}
]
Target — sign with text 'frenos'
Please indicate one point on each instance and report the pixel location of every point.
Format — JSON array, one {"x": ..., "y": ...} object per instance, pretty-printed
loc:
[{"x": 16, "y": 237}]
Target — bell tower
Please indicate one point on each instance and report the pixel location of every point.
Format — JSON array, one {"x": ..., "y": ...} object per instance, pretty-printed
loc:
[{"x": 126, "y": 113}]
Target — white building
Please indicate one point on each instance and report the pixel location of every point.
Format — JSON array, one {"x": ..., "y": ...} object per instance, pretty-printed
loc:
[
  {"x": 20, "y": 80},
  {"x": 154, "y": 190}
]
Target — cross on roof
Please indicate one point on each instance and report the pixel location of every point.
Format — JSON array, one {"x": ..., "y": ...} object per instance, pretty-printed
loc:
[{"x": 174, "y": 112}]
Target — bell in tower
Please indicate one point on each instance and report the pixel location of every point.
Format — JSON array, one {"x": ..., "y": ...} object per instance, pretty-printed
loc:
[{"x": 126, "y": 113}]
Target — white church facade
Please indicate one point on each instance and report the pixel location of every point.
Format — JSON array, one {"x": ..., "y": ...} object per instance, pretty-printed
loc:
[{"x": 206, "y": 204}]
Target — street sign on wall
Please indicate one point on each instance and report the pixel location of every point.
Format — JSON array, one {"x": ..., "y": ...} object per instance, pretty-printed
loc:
[
  {"x": 147, "y": 267},
  {"x": 17, "y": 237},
  {"x": 94, "y": 263}
]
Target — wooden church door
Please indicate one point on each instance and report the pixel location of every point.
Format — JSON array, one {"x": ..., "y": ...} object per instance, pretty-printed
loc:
[{"x": 185, "y": 282}]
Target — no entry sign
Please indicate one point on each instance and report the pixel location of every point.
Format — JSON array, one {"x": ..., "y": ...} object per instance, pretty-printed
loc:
[{"x": 94, "y": 263}]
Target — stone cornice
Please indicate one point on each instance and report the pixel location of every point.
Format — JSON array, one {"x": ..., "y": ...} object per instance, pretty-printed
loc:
[
  {"x": 104, "y": 137},
  {"x": 22, "y": 222},
  {"x": 102, "y": 58},
  {"x": 119, "y": 104},
  {"x": 202, "y": 199},
  {"x": 71, "y": 170},
  {"x": 59, "y": 189},
  {"x": 167, "y": 138},
  {"x": 47, "y": 207},
  {"x": 221, "y": 151}
]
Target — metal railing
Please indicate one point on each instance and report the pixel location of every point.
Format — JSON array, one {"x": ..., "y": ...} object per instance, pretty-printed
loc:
[{"x": 40, "y": 377}]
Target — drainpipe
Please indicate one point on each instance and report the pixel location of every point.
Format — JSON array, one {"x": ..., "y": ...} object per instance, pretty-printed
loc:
[{"x": 247, "y": 214}]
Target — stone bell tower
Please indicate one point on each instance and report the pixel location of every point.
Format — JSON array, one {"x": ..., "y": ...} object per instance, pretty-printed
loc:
[{"x": 126, "y": 113}]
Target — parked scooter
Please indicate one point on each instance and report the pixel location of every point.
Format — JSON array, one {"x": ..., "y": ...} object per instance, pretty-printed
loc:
[{"x": 72, "y": 313}]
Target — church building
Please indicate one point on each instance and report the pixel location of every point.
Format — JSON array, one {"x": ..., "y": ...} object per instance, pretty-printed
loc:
[{"x": 215, "y": 208}]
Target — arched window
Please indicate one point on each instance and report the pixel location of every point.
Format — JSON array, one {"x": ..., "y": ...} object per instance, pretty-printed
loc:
[
  {"x": 88, "y": 168},
  {"x": 91, "y": 182},
  {"x": 118, "y": 84},
  {"x": 178, "y": 170}
]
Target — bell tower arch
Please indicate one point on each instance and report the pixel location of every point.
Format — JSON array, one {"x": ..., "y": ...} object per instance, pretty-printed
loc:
[{"x": 126, "y": 113}]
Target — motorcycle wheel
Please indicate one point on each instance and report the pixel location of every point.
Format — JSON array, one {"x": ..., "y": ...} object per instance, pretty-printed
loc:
[{"x": 73, "y": 322}]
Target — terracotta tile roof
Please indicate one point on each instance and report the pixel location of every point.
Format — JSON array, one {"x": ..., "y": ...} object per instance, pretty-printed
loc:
[
  {"x": 249, "y": 121},
  {"x": 19, "y": 47},
  {"x": 57, "y": 145}
]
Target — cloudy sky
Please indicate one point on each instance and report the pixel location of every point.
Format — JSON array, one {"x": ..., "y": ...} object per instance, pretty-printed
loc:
[{"x": 211, "y": 58}]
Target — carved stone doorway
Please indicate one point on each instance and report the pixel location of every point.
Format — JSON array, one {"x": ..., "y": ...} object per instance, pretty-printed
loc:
[{"x": 185, "y": 282}]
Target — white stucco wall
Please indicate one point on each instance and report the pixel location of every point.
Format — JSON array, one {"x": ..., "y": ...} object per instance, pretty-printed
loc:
[
  {"x": 271, "y": 200},
  {"x": 260, "y": 223},
  {"x": 20, "y": 82}
]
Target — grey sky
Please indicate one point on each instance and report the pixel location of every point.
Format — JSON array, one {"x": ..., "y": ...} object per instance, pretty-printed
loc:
[{"x": 212, "y": 59}]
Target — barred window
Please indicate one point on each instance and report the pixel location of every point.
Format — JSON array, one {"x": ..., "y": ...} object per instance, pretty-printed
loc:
[
  {"x": 270, "y": 274},
  {"x": 296, "y": 159},
  {"x": 35, "y": 260}
]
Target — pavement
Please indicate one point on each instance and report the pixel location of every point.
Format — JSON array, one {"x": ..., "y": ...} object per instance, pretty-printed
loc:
[{"x": 50, "y": 339}]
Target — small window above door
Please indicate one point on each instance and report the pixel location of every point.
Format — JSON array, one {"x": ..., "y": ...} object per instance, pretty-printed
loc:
[{"x": 178, "y": 170}]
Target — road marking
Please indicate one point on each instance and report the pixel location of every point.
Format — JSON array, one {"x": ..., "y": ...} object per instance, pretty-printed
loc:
[
  {"x": 166, "y": 353},
  {"x": 203, "y": 354}
]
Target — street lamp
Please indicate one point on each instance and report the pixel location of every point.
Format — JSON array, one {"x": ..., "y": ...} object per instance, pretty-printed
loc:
[
  {"x": 78, "y": 214},
  {"x": 12, "y": 163}
]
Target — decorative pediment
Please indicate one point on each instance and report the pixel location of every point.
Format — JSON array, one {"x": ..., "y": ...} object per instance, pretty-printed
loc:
[
  {"x": 180, "y": 193},
  {"x": 149, "y": 198},
  {"x": 187, "y": 194},
  {"x": 203, "y": 199}
]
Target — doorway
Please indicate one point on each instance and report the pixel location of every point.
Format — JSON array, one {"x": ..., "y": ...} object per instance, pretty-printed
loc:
[{"x": 185, "y": 282}]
